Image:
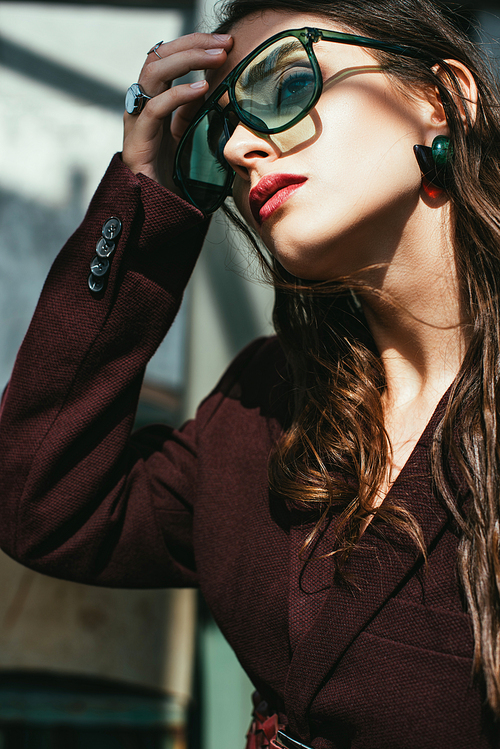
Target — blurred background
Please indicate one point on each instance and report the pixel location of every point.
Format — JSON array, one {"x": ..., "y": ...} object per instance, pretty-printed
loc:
[{"x": 81, "y": 666}]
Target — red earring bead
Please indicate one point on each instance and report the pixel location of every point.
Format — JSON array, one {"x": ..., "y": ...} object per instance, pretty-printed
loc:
[{"x": 431, "y": 190}]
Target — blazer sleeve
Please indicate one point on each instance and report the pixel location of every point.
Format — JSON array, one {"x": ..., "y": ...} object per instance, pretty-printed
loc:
[{"x": 79, "y": 497}]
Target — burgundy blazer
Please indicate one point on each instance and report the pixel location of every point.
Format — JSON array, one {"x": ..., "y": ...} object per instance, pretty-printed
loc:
[{"x": 382, "y": 665}]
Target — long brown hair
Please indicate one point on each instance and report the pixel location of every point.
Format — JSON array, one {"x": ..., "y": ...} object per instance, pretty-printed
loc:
[{"x": 334, "y": 453}]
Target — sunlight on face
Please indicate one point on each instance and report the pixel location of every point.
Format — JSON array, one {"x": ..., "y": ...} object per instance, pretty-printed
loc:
[
  {"x": 353, "y": 153},
  {"x": 305, "y": 131},
  {"x": 300, "y": 134}
]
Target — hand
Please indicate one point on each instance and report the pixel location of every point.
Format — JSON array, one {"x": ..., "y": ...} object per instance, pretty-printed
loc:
[{"x": 150, "y": 138}]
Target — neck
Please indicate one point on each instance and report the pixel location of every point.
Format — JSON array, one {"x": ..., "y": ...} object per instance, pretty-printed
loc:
[{"x": 415, "y": 314}]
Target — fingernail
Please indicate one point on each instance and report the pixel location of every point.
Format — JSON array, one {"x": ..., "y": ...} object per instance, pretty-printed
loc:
[
  {"x": 214, "y": 51},
  {"x": 197, "y": 84},
  {"x": 222, "y": 37}
]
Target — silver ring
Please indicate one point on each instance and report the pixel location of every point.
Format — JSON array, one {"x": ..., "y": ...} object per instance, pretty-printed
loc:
[
  {"x": 135, "y": 99},
  {"x": 155, "y": 48}
]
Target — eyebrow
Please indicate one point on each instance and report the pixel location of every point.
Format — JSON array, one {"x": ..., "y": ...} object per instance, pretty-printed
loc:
[{"x": 257, "y": 73}]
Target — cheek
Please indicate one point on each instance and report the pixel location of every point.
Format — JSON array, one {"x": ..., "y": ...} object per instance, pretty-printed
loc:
[
  {"x": 300, "y": 135},
  {"x": 367, "y": 139}
]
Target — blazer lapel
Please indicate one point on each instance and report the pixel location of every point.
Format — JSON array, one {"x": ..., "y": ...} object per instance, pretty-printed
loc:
[{"x": 380, "y": 564}]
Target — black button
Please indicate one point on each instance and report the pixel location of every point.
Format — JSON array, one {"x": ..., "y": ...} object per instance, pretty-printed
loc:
[
  {"x": 111, "y": 228},
  {"x": 104, "y": 248},
  {"x": 99, "y": 266},
  {"x": 95, "y": 284}
]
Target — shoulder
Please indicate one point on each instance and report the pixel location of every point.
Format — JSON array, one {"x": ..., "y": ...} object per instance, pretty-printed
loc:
[
  {"x": 256, "y": 379},
  {"x": 258, "y": 364}
]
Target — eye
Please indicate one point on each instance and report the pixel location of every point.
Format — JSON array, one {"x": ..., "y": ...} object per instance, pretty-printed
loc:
[{"x": 295, "y": 89}]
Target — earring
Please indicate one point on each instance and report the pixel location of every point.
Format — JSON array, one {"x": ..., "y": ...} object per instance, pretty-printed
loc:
[
  {"x": 442, "y": 151},
  {"x": 431, "y": 190},
  {"x": 433, "y": 162}
]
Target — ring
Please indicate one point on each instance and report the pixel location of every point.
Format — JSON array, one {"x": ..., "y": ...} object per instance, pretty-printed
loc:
[
  {"x": 135, "y": 99},
  {"x": 155, "y": 48}
]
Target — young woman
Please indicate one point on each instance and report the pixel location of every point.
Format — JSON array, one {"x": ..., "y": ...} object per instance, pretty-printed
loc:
[{"x": 337, "y": 496}]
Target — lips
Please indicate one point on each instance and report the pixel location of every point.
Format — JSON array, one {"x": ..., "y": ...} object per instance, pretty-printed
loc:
[{"x": 271, "y": 192}]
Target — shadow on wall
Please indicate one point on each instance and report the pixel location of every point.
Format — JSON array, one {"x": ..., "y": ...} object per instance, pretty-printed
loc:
[
  {"x": 32, "y": 235},
  {"x": 59, "y": 77}
]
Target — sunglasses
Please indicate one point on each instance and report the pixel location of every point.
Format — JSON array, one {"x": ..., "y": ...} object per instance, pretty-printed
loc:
[{"x": 269, "y": 91}]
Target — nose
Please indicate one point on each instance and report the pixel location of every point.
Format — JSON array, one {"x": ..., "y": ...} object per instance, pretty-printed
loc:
[{"x": 245, "y": 150}]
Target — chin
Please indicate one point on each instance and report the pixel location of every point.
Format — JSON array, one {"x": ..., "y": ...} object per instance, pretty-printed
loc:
[
  {"x": 308, "y": 271},
  {"x": 299, "y": 257}
]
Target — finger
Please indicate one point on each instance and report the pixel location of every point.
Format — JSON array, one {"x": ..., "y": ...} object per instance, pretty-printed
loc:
[
  {"x": 161, "y": 107},
  {"x": 192, "y": 41},
  {"x": 201, "y": 45},
  {"x": 143, "y": 133},
  {"x": 164, "y": 104},
  {"x": 156, "y": 77}
]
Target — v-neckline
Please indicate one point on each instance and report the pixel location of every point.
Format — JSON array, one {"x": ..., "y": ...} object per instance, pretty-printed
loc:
[
  {"x": 424, "y": 440},
  {"x": 342, "y": 613}
]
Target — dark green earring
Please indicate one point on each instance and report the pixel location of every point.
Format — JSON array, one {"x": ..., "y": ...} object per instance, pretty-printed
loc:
[
  {"x": 442, "y": 151},
  {"x": 433, "y": 162}
]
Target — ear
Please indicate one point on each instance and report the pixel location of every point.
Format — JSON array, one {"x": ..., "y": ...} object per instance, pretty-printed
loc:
[{"x": 463, "y": 91}]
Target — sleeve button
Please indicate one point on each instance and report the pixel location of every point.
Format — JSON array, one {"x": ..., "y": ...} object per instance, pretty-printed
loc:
[
  {"x": 111, "y": 228},
  {"x": 104, "y": 248},
  {"x": 95, "y": 284},
  {"x": 99, "y": 266}
]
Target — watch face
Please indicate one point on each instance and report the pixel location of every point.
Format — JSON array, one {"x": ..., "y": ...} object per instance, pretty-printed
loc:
[{"x": 133, "y": 99}]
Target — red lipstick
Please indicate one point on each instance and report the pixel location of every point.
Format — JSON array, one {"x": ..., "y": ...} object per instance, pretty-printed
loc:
[{"x": 271, "y": 192}]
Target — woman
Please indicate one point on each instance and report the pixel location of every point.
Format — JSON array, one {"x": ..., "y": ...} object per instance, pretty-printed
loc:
[{"x": 336, "y": 497}]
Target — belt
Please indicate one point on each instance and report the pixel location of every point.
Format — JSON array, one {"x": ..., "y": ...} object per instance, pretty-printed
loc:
[
  {"x": 266, "y": 732},
  {"x": 285, "y": 741}
]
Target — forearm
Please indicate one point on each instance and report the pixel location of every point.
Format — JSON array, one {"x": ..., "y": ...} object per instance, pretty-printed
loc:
[{"x": 70, "y": 405}]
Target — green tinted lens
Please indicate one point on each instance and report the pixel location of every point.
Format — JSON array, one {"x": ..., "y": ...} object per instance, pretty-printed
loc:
[
  {"x": 277, "y": 86},
  {"x": 273, "y": 91},
  {"x": 205, "y": 175}
]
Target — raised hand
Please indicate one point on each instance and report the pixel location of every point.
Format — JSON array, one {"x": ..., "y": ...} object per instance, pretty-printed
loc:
[{"x": 150, "y": 137}]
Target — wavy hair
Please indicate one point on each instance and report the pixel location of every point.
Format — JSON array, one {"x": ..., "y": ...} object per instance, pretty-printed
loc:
[{"x": 335, "y": 451}]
